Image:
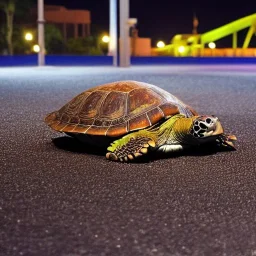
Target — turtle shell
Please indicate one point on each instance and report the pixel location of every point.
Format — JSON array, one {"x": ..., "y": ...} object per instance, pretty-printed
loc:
[{"x": 115, "y": 109}]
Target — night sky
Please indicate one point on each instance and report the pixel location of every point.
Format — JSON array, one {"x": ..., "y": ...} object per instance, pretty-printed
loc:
[{"x": 162, "y": 19}]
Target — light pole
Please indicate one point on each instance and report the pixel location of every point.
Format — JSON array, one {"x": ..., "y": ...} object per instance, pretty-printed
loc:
[
  {"x": 125, "y": 50},
  {"x": 40, "y": 22},
  {"x": 112, "y": 46}
]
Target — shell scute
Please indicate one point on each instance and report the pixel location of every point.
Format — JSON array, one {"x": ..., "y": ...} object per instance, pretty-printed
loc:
[
  {"x": 169, "y": 109},
  {"x": 86, "y": 121},
  {"x": 114, "y": 105},
  {"x": 97, "y": 130},
  {"x": 65, "y": 118},
  {"x": 68, "y": 128},
  {"x": 119, "y": 121},
  {"x": 58, "y": 126},
  {"x": 155, "y": 115},
  {"x": 90, "y": 106},
  {"x": 139, "y": 122},
  {"x": 119, "y": 86},
  {"x": 102, "y": 122},
  {"x": 74, "y": 105},
  {"x": 117, "y": 130},
  {"x": 74, "y": 120},
  {"x": 141, "y": 100},
  {"x": 79, "y": 129}
]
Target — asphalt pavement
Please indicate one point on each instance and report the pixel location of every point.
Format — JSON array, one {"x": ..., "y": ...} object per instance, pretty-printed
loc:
[{"x": 58, "y": 197}]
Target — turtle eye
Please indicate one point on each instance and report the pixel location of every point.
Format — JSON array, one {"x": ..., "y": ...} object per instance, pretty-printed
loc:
[{"x": 208, "y": 120}]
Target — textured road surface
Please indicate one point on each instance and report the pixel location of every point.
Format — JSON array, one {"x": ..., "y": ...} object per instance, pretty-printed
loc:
[{"x": 58, "y": 198}]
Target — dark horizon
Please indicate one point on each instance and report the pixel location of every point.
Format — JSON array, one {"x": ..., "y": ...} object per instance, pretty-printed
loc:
[{"x": 163, "y": 20}]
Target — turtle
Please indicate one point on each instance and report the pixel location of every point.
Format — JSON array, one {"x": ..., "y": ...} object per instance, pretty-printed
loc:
[{"x": 131, "y": 118}]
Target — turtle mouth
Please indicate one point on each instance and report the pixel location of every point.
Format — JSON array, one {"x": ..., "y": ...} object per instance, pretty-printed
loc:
[
  {"x": 217, "y": 129},
  {"x": 214, "y": 131}
]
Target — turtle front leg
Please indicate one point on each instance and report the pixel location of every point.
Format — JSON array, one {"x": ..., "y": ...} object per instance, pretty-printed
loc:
[
  {"x": 226, "y": 141},
  {"x": 131, "y": 146}
]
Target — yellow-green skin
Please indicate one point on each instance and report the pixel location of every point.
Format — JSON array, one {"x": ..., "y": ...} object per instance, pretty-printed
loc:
[{"x": 172, "y": 135}]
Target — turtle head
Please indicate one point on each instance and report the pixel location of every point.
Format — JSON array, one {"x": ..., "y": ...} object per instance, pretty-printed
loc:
[
  {"x": 206, "y": 127},
  {"x": 209, "y": 129}
]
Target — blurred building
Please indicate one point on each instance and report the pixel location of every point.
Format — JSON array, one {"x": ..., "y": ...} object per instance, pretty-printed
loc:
[
  {"x": 139, "y": 46},
  {"x": 72, "y": 23},
  {"x": 77, "y": 24}
]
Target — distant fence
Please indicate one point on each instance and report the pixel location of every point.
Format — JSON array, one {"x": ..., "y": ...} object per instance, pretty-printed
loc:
[
  {"x": 164, "y": 60},
  {"x": 170, "y": 50},
  {"x": 55, "y": 60},
  {"x": 229, "y": 52},
  {"x": 59, "y": 60}
]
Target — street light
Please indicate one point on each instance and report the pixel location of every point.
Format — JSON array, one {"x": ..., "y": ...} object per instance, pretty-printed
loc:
[
  {"x": 36, "y": 48},
  {"x": 105, "y": 43},
  {"x": 212, "y": 45},
  {"x": 105, "y": 39},
  {"x": 181, "y": 49},
  {"x": 160, "y": 44},
  {"x": 28, "y": 36}
]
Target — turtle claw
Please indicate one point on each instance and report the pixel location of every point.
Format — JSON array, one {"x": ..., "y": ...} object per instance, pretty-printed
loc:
[
  {"x": 226, "y": 141},
  {"x": 111, "y": 156},
  {"x": 151, "y": 143},
  {"x": 130, "y": 157},
  {"x": 137, "y": 154},
  {"x": 144, "y": 150}
]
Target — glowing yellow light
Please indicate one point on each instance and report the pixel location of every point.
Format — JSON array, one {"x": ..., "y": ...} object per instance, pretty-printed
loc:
[
  {"x": 28, "y": 36},
  {"x": 160, "y": 44},
  {"x": 36, "y": 48},
  {"x": 212, "y": 45},
  {"x": 181, "y": 49},
  {"x": 105, "y": 39}
]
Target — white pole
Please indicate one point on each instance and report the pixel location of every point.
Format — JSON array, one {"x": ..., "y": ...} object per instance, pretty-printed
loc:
[
  {"x": 40, "y": 21},
  {"x": 112, "y": 47},
  {"x": 124, "y": 34}
]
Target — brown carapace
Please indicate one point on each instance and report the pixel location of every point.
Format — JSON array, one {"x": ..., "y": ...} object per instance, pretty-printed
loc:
[{"x": 116, "y": 109}]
